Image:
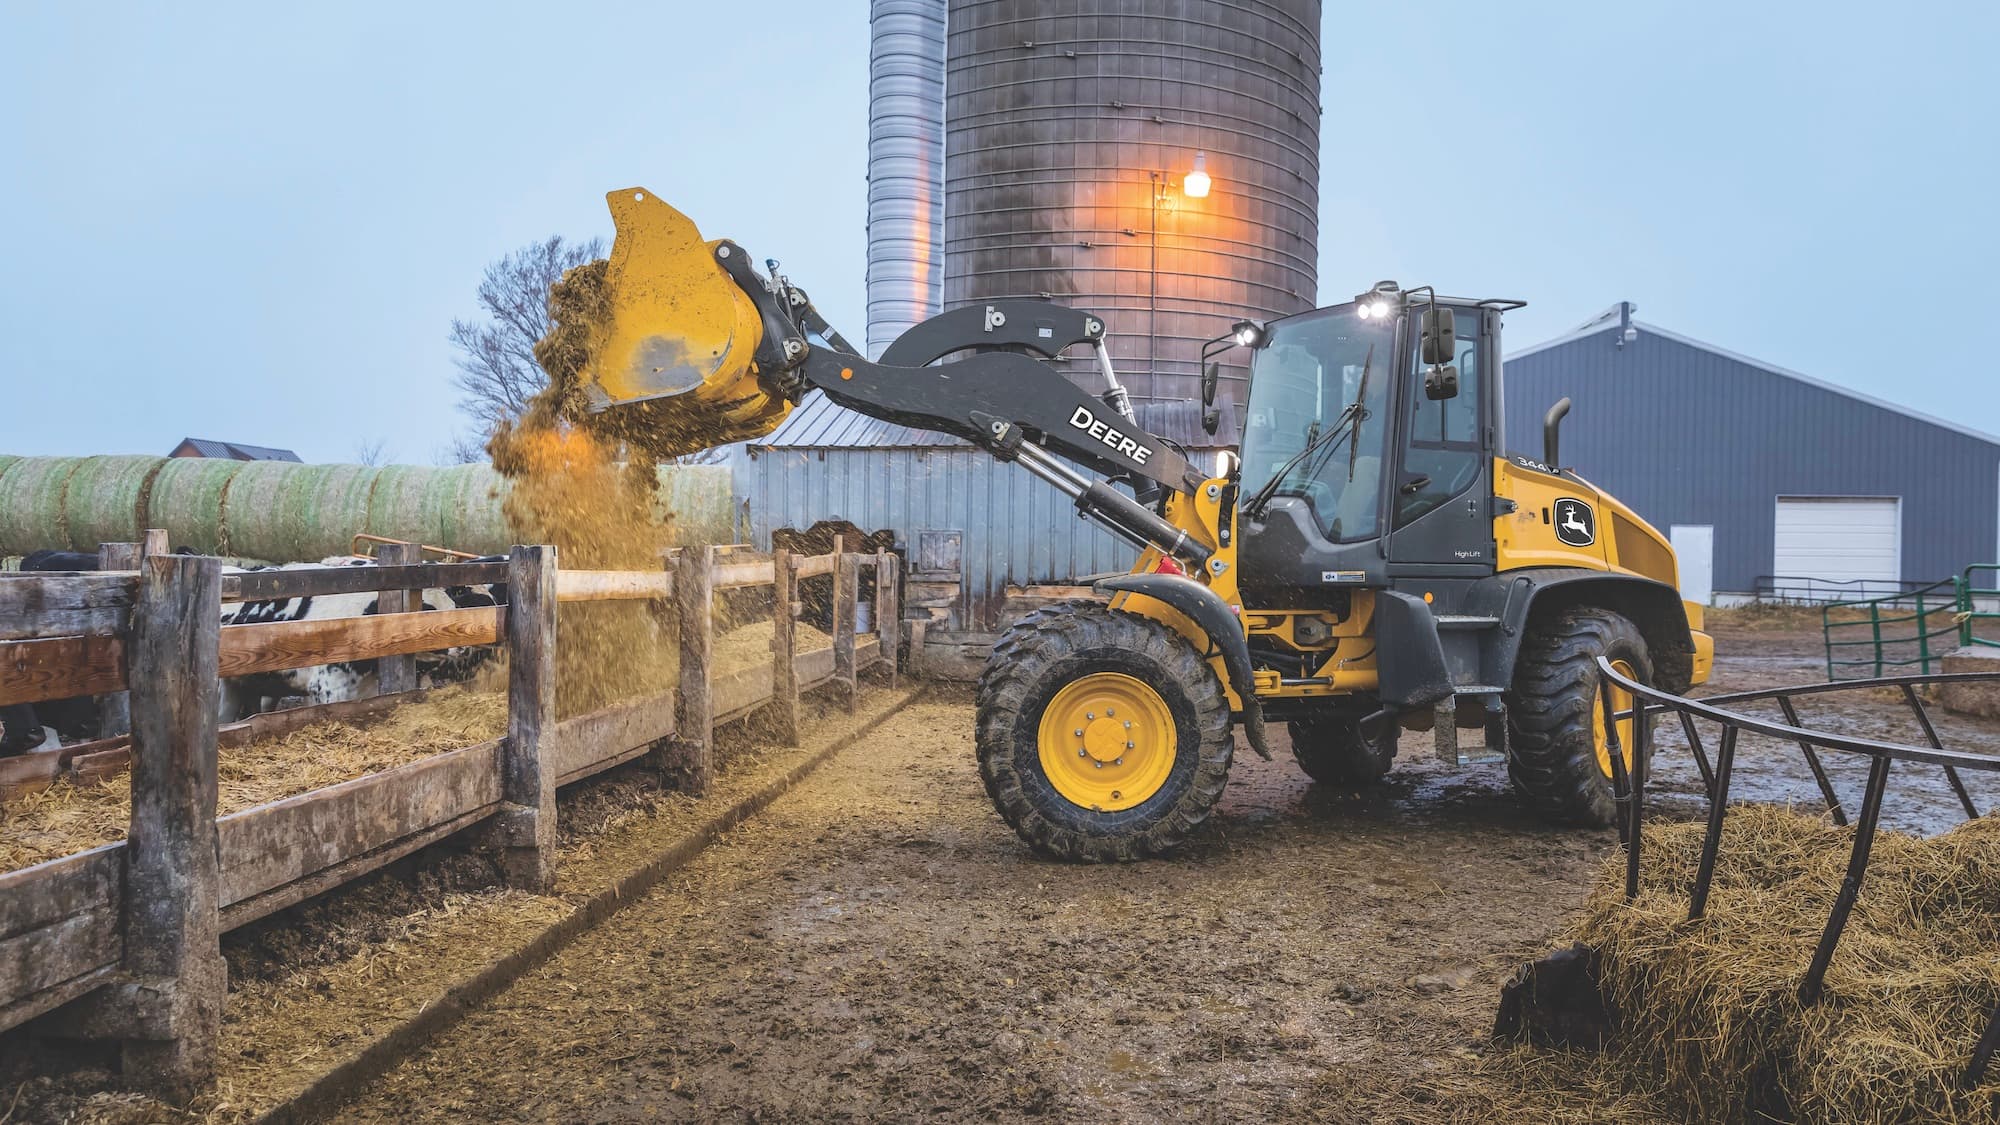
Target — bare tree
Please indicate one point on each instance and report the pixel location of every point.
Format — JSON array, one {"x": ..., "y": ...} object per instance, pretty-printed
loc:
[
  {"x": 497, "y": 373},
  {"x": 465, "y": 449},
  {"x": 371, "y": 451}
]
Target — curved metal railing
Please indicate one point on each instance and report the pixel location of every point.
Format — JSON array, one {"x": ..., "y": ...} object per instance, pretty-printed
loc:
[{"x": 1630, "y": 788}]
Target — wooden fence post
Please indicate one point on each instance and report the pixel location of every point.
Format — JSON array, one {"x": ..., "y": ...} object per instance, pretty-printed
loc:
[
  {"x": 888, "y": 626},
  {"x": 397, "y": 673},
  {"x": 784, "y": 665},
  {"x": 526, "y": 828},
  {"x": 114, "y": 711},
  {"x": 173, "y": 956},
  {"x": 694, "y": 707},
  {"x": 846, "y": 602},
  {"x": 154, "y": 542}
]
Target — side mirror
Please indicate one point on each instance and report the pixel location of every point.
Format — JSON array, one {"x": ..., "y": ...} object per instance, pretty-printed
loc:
[
  {"x": 1210, "y": 379},
  {"x": 1441, "y": 382},
  {"x": 1440, "y": 340},
  {"x": 1211, "y": 421}
]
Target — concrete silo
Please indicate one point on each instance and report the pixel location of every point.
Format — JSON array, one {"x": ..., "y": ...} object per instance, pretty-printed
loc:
[{"x": 1072, "y": 131}]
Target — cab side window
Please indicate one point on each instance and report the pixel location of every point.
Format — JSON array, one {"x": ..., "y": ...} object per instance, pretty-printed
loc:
[{"x": 1443, "y": 456}]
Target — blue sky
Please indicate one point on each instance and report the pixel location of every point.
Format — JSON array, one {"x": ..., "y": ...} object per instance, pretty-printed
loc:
[{"x": 256, "y": 222}]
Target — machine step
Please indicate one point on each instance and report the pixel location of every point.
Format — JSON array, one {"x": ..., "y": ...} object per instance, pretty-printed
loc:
[
  {"x": 1465, "y": 621},
  {"x": 1477, "y": 689}
]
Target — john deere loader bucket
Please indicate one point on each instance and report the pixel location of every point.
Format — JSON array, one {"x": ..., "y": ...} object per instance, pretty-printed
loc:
[{"x": 673, "y": 356}]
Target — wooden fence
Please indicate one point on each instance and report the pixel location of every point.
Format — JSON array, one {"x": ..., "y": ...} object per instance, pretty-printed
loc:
[{"x": 121, "y": 942}]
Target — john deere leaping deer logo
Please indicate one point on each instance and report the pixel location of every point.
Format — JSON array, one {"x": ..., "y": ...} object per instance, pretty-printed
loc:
[{"x": 1576, "y": 524}]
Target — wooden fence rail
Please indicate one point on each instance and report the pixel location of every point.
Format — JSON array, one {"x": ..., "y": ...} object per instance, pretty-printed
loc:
[{"x": 120, "y": 942}]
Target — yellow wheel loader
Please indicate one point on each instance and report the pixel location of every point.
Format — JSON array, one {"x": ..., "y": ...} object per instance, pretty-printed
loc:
[{"x": 1371, "y": 564}]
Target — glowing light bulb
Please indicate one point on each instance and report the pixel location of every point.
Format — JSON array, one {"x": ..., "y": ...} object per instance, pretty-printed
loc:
[{"x": 1195, "y": 186}]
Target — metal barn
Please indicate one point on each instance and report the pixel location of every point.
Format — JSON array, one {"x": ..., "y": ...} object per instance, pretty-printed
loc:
[
  {"x": 974, "y": 531},
  {"x": 1769, "y": 481}
]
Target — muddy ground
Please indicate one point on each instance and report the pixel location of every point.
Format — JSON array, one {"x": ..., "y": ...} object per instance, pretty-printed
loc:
[{"x": 877, "y": 945}]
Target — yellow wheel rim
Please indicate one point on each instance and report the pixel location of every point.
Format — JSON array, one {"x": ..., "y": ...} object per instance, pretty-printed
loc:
[
  {"x": 1621, "y": 700},
  {"x": 1107, "y": 741}
]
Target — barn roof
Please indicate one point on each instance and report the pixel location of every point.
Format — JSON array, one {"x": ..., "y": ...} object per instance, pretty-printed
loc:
[
  {"x": 1608, "y": 321},
  {"x": 236, "y": 450},
  {"x": 818, "y": 423}
]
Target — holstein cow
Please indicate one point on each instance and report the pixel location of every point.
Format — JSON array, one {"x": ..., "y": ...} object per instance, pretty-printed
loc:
[
  {"x": 28, "y": 726},
  {"x": 25, "y": 727},
  {"x": 331, "y": 683}
]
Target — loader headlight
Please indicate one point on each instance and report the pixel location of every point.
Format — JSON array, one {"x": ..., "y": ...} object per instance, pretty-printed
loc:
[
  {"x": 1378, "y": 303},
  {"x": 1248, "y": 333}
]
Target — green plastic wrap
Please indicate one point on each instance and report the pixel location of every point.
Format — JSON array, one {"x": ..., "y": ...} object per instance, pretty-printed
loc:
[
  {"x": 186, "y": 499},
  {"x": 31, "y": 504},
  {"x": 105, "y": 500}
]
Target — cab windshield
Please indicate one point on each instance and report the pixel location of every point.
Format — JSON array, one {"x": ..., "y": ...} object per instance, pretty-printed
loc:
[{"x": 1323, "y": 372}]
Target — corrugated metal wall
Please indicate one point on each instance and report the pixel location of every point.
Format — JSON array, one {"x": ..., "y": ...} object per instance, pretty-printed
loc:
[
  {"x": 1685, "y": 435},
  {"x": 1015, "y": 528}
]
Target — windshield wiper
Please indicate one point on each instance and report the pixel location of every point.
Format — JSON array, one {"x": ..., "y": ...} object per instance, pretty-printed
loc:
[
  {"x": 1360, "y": 396},
  {"x": 1350, "y": 417}
]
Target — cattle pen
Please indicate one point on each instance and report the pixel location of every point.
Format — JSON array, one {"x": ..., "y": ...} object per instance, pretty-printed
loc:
[{"x": 121, "y": 942}]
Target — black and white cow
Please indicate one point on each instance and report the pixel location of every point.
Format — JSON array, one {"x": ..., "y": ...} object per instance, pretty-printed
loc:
[
  {"x": 31, "y": 726},
  {"x": 25, "y": 727},
  {"x": 342, "y": 680}
]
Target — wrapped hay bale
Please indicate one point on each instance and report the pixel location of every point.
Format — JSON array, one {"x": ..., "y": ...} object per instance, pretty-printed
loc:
[
  {"x": 105, "y": 500},
  {"x": 31, "y": 504},
  {"x": 1709, "y": 1010},
  {"x": 186, "y": 499}
]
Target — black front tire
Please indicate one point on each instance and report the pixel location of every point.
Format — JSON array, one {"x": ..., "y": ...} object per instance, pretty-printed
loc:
[
  {"x": 1551, "y": 743},
  {"x": 1332, "y": 750},
  {"x": 1050, "y": 648}
]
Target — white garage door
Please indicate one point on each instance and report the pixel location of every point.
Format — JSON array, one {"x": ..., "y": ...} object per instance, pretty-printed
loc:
[{"x": 1853, "y": 539}]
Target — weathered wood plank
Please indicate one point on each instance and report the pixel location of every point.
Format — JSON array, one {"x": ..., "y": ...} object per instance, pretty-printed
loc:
[
  {"x": 397, "y": 674},
  {"x": 37, "y": 896},
  {"x": 172, "y": 950},
  {"x": 740, "y": 573},
  {"x": 741, "y": 692},
  {"x": 60, "y": 667},
  {"x": 527, "y": 827},
  {"x": 270, "y": 846},
  {"x": 28, "y": 1007},
  {"x": 695, "y": 599},
  {"x": 249, "y": 910},
  {"x": 45, "y": 957},
  {"x": 269, "y": 585},
  {"x": 612, "y": 585},
  {"x": 888, "y": 629},
  {"x": 577, "y": 746},
  {"x": 846, "y": 603},
  {"x": 784, "y": 649},
  {"x": 275, "y": 645},
  {"x": 815, "y": 668},
  {"x": 807, "y": 566}
]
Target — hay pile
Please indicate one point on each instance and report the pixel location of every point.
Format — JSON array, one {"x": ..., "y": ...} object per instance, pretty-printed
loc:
[
  {"x": 66, "y": 818},
  {"x": 1710, "y": 1011}
]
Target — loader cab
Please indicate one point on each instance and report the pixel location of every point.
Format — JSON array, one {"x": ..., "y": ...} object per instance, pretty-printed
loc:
[{"x": 1360, "y": 464}]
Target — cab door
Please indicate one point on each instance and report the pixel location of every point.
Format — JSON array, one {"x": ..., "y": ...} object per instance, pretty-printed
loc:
[{"x": 1441, "y": 497}]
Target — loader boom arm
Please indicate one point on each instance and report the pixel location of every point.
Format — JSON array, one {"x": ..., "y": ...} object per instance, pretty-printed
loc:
[{"x": 689, "y": 321}]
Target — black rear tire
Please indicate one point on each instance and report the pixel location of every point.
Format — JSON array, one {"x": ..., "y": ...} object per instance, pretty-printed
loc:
[
  {"x": 1552, "y": 753},
  {"x": 1332, "y": 751},
  {"x": 1057, "y": 645}
]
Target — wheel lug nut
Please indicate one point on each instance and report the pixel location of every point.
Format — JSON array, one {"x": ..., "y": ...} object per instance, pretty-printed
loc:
[
  {"x": 1082, "y": 753},
  {"x": 1108, "y": 712},
  {"x": 1090, "y": 714},
  {"x": 1128, "y": 746},
  {"x": 1128, "y": 724},
  {"x": 1119, "y": 762},
  {"x": 1079, "y": 732},
  {"x": 1099, "y": 765}
]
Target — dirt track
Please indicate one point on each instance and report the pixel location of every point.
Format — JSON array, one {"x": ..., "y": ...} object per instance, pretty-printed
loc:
[{"x": 878, "y": 944}]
